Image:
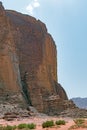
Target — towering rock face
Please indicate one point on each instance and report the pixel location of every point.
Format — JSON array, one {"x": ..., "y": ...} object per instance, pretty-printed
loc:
[
  {"x": 28, "y": 59},
  {"x": 9, "y": 72},
  {"x": 10, "y": 83}
]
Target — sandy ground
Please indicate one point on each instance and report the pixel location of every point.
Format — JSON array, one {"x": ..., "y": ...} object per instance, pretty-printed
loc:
[{"x": 39, "y": 120}]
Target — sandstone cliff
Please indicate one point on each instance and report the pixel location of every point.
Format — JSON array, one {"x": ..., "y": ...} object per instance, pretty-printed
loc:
[{"x": 28, "y": 61}]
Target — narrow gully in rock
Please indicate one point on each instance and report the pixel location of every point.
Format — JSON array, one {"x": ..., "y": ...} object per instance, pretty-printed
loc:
[{"x": 25, "y": 89}]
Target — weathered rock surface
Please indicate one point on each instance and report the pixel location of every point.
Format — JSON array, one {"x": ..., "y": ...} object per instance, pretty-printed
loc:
[
  {"x": 28, "y": 61},
  {"x": 74, "y": 113}
]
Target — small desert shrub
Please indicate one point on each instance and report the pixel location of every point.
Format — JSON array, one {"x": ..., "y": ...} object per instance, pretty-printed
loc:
[
  {"x": 60, "y": 122},
  {"x": 48, "y": 124},
  {"x": 8, "y": 127},
  {"x": 31, "y": 126},
  {"x": 14, "y": 127},
  {"x": 79, "y": 121},
  {"x": 21, "y": 126},
  {"x": 77, "y": 126}
]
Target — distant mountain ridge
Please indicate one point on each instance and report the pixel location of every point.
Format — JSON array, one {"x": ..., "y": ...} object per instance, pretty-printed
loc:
[{"x": 80, "y": 102}]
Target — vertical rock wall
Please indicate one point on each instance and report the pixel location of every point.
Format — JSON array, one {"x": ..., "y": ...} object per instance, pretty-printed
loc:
[
  {"x": 9, "y": 71},
  {"x": 28, "y": 59}
]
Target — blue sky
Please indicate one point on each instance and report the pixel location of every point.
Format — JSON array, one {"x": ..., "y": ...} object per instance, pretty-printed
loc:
[{"x": 66, "y": 21}]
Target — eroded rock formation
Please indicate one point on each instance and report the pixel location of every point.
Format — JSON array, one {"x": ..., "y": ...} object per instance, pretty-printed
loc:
[{"x": 28, "y": 60}]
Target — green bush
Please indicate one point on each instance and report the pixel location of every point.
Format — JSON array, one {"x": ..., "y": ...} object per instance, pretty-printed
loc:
[
  {"x": 21, "y": 126},
  {"x": 8, "y": 127},
  {"x": 14, "y": 127},
  {"x": 31, "y": 126},
  {"x": 60, "y": 122},
  {"x": 48, "y": 124}
]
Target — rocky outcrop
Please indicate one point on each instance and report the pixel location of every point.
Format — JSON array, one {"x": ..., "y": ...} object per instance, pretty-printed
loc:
[
  {"x": 28, "y": 60},
  {"x": 55, "y": 105}
]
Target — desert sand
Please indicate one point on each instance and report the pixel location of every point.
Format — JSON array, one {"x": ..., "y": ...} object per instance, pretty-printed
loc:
[{"x": 39, "y": 120}]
